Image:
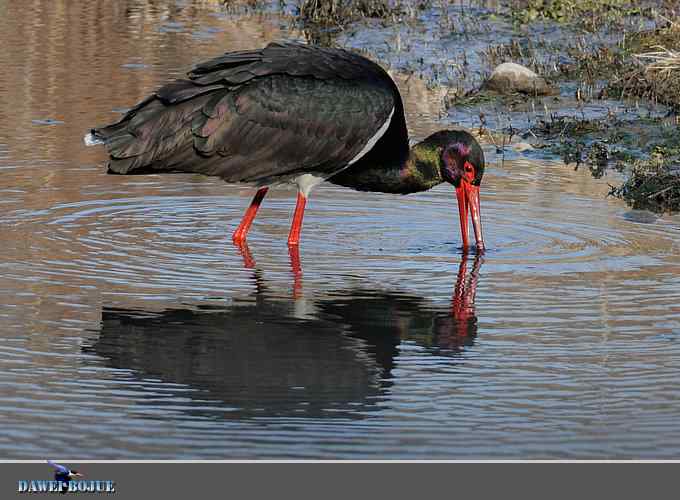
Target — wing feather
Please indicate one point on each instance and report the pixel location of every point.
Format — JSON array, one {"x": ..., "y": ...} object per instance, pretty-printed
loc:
[{"x": 258, "y": 116}]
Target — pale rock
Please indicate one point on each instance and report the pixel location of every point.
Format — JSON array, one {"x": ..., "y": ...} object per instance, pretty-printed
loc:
[{"x": 509, "y": 77}]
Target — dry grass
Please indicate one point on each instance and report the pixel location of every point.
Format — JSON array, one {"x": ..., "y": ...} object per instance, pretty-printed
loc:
[
  {"x": 662, "y": 61},
  {"x": 341, "y": 12},
  {"x": 648, "y": 66}
]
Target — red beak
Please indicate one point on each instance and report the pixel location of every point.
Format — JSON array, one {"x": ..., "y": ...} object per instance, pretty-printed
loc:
[{"x": 468, "y": 201}]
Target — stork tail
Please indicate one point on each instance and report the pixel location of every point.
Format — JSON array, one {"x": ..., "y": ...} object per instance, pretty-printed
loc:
[{"x": 93, "y": 139}]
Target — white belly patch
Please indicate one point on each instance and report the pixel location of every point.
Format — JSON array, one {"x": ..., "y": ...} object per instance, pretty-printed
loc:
[{"x": 306, "y": 182}]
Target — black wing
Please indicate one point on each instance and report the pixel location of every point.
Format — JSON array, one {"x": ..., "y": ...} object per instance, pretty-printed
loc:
[{"x": 258, "y": 116}]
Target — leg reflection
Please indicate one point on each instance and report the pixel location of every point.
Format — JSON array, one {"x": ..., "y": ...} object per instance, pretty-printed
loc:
[
  {"x": 248, "y": 261},
  {"x": 295, "y": 267}
]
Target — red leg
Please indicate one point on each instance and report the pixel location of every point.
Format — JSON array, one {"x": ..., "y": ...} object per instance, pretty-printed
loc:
[
  {"x": 239, "y": 235},
  {"x": 296, "y": 227}
]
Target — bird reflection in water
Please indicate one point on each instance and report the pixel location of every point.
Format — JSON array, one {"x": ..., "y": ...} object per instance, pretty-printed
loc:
[
  {"x": 453, "y": 329},
  {"x": 258, "y": 357}
]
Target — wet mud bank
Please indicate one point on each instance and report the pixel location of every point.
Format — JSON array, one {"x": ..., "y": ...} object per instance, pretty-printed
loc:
[{"x": 608, "y": 77}]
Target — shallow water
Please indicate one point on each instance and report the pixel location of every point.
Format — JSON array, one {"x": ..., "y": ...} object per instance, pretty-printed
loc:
[{"x": 131, "y": 327}]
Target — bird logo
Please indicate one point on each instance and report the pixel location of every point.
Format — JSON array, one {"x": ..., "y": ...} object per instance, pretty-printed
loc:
[{"x": 63, "y": 475}]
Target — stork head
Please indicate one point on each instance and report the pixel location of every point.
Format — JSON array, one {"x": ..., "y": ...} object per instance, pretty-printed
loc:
[{"x": 462, "y": 165}]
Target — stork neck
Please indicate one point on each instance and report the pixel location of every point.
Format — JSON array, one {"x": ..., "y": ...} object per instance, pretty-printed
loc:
[
  {"x": 422, "y": 169},
  {"x": 419, "y": 171},
  {"x": 410, "y": 171}
]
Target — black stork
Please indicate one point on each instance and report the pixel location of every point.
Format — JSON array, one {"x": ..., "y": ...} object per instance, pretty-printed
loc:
[{"x": 292, "y": 113}]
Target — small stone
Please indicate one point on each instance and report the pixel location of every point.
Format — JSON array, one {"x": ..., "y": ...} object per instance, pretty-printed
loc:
[
  {"x": 508, "y": 78},
  {"x": 522, "y": 146}
]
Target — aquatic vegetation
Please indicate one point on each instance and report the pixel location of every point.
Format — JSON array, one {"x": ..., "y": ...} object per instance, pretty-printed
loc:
[
  {"x": 341, "y": 12},
  {"x": 653, "y": 184},
  {"x": 588, "y": 14},
  {"x": 557, "y": 126}
]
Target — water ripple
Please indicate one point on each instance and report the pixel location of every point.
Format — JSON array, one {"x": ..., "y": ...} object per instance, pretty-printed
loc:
[{"x": 128, "y": 314}]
